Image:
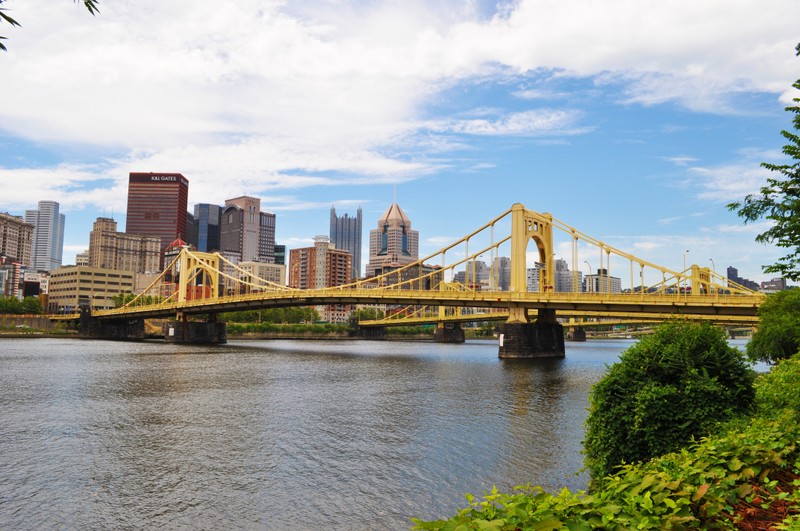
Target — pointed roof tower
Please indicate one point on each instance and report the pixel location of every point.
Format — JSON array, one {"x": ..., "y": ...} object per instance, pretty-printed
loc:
[{"x": 395, "y": 214}]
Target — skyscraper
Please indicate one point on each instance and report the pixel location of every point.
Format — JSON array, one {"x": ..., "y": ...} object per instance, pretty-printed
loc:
[
  {"x": 206, "y": 217},
  {"x": 48, "y": 236},
  {"x": 16, "y": 238},
  {"x": 246, "y": 231},
  {"x": 346, "y": 234},
  {"x": 322, "y": 266},
  {"x": 393, "y": 243},
  {"x": 109, "y": 249},
  {"x": 501, "y": 269},
  {"x": 157, "y": 205}
]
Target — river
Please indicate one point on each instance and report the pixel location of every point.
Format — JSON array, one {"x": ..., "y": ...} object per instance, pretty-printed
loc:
[{"x": 280, "y": 434}]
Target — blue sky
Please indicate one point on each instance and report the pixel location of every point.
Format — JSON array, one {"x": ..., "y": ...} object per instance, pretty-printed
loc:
[{"x": 634, "y": 122}]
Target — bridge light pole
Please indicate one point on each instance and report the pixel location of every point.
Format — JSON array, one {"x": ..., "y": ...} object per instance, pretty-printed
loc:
[
  {"x": 683, "y": 275},
  {"x": 587, "y": 276},
  {"x": 711, "y": 280}
]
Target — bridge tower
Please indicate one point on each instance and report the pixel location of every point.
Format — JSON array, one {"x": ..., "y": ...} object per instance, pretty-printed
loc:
[
  {"x": 518, "y": 337},
  {"x": 198, "y": 278}
]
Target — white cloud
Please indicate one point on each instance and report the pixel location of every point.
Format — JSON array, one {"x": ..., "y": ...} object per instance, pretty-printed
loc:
[
  {"x": 730, "y": 182},
  {"x": 680, "y": 161},
  {"x": 527, "y": 123},
  {"x": 275, "y": 95}
]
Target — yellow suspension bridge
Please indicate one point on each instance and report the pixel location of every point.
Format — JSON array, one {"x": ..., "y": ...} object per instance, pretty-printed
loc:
[{"x": 206, "y": 284}]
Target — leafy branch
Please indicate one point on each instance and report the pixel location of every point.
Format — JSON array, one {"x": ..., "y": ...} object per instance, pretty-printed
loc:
[
  {"x": 91, "y": 5},
  {"x": 779, "y": 201}
]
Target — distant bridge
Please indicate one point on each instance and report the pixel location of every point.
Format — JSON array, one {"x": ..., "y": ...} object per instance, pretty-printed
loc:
[{"x": 195, "y": 282}]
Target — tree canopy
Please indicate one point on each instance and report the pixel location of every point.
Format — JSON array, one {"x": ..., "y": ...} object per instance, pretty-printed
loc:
[
  {"x": 91, "y": 5},
  {"x": 778, "y": 334},
  {"x": 779, "y": 201},
  {"x": 28, "y": 305}
]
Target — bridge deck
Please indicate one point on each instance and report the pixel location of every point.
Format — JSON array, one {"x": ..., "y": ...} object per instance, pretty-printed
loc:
[{"x": 673, "y": 304}]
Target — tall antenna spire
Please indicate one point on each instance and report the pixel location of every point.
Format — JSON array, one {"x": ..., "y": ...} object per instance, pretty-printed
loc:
[{"x": 395, "y": 194}]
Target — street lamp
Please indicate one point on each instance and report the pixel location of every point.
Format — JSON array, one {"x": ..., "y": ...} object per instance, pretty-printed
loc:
[
  {"x": 587, "y": 276},
  {"x": 713, "y": 265},
  {"x": 683, "y": 275}
]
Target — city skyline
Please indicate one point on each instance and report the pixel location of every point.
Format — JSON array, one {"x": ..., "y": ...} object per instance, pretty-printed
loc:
[{"x": 634, "y": 123}]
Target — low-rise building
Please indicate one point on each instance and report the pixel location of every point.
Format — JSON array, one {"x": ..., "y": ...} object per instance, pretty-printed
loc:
[{"x": 75, "y": 286}]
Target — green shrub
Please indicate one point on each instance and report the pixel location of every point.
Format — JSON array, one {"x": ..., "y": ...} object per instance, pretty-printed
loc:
[
  {"x": 668, "y": 388},
  {"x": 779, "y": 390}
]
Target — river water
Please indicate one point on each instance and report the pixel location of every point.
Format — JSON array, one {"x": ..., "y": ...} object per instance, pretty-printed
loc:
[{"x": 280, "y": 434}]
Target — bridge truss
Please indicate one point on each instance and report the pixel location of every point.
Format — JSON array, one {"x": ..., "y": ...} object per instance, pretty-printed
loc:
[{"x": 426, "y": 290}]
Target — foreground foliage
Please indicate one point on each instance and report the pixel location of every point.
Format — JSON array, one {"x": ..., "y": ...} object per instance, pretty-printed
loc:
[
  {"x": 674, "y": 385},
  {"x": 749, "y": 472}
]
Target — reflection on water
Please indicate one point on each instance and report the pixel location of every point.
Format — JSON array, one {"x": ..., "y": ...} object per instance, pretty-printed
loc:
[{"x": 280, "y": 434}]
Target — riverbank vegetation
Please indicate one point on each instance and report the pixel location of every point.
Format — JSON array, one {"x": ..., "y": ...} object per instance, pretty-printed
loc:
[{"x": 14, "y": 306}]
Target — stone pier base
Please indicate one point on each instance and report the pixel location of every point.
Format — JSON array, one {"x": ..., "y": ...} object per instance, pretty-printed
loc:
[
  {"x": 448, "y": 333},
  {"x": 577, "y": 333},
  {"x": 377, "y": 333},
  {"x": 531, "y": 340},
  {"x": 120, "y": 329},
  {"x": 196, "y": 332}
]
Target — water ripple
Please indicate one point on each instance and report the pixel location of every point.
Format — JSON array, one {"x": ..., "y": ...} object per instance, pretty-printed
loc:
[{"x": 279, "y": 434}]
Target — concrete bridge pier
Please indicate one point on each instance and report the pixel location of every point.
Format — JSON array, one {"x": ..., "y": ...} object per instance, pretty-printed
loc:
[
  {"x": 524, "y": 340},
  {"x": 576, "y": 333},
  {"x": 448, "y": 333},
  {"x": 125, "y": 329},
  {"x": 208, "y": 332}
]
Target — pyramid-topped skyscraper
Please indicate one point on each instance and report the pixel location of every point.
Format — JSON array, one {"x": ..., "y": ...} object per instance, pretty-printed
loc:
[{"x": 393, "y": 244}]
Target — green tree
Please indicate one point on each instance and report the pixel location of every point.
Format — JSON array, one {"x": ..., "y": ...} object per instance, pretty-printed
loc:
[
  {"x": 10, "y": 305},
  {"x": 368, "y": 314},
  {"x": 674, "y": 385},
  {"x": 779, "y": 201},
  {"x": 32, "y": 305},
  {"x": 778, "y": 334},
  {"x": 91, "y": 5}
]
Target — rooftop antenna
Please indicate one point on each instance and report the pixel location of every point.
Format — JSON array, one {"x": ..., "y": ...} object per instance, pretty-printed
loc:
[{"x": 395, "y": 193}]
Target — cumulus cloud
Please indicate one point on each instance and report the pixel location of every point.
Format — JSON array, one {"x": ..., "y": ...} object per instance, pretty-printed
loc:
[{"x": 294, "y": 95}]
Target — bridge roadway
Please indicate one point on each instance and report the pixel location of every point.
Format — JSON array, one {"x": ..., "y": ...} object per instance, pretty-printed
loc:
[{"x": 719, "y": 305}]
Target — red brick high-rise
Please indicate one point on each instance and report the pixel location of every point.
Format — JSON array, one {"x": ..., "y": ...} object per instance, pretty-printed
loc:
[{"x": 157, "y": 206}]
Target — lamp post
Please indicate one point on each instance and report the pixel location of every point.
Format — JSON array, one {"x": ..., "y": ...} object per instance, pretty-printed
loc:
[
  {"x": 587, "y": 276},
  {"x": 683, "y": 275},
  {"x": 711, "y": 280}
]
